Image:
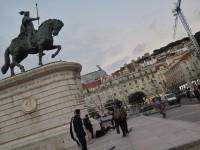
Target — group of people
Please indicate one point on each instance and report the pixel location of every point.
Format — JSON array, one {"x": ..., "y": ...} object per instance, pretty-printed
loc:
[
  {"x": 119, "y": 118},
  {"x": 192, "y": 93},
  {"x": 76, "y": 124}
]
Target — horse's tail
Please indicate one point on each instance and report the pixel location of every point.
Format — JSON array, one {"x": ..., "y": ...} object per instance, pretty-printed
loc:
[{"x": 5, "y": 67}]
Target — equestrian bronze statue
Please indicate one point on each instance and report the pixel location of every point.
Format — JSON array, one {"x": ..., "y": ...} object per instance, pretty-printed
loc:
[{"x": 31, "y": 41}]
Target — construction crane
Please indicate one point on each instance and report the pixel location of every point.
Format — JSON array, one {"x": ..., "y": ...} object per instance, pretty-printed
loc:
[
  {"x": 178, "y": 13},
  {"x": 99, "y": 67}
]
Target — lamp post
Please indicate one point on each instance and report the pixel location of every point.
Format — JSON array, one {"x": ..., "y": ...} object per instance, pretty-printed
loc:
[{"x": 101, "y": 107}]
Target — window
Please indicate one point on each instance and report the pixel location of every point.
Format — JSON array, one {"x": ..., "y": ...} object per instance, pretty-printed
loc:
[
  {"x": 130, "y": 83},
  {"x": 126, "y": 91},
  {"x": 135, "y": 81}
]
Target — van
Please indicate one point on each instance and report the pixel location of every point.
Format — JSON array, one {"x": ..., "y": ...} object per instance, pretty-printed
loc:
[{"x": 170, "y": 98}]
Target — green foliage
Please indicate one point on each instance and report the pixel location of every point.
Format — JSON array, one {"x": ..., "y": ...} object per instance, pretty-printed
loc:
[
  {"x": 166, "y": 48},
  {"x": 108, "y": 105},
  {"x": 137, "y": 97},
  {"x": 197, "y": 36},
  {"x": 93, "y": 113},
  {"x": 172, "y": 44}
]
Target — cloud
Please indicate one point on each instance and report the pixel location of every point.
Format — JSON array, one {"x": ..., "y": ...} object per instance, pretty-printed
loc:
[
  {"x": 116, "y": 65},
  {"x": 91, "y": 47},
  {"x": 153, "y": 26},
  {"x": 196, "y": 14},
  {"x": 139, "y": 49}
]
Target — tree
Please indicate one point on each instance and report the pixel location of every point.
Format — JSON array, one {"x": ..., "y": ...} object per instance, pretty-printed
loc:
[
  {"x": 137, "y": 97},
  {"x": 108, "y": 105}
]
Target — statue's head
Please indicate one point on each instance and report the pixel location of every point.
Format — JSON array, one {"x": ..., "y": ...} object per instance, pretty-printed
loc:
[{"x": 25, "y": 13}]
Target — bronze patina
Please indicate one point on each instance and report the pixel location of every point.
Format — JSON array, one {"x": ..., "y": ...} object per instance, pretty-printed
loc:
[{"x": 31, "y": 41}]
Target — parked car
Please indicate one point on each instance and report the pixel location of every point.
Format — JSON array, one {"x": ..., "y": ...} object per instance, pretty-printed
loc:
[
  {"x": 147, "y": 107},
  {"x": 170, "y": 98},
  {"x": 182, "y": 94}
]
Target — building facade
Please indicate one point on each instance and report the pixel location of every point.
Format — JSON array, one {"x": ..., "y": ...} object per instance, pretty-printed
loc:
[{"x": 153, "y": 75}]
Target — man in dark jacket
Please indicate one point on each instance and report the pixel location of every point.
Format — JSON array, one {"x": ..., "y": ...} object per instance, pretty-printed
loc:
[
  {"x": 120, "y": 115},
  {"x": 78, "y": 128},
  {"x": 88, "y": 125},
  {"x": 188, "y": 94}
]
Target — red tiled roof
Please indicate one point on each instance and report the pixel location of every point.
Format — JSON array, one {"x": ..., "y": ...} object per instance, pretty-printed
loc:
[
  {"x": 159, "y": 61},
  {"x": 92, "y": 84},
  {"x": 184, "y": 57},
  {"x": 116, "y": 73}
]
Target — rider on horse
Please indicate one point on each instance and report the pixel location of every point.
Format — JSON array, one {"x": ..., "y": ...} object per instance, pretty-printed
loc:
[{"x": 27, "y": 27}]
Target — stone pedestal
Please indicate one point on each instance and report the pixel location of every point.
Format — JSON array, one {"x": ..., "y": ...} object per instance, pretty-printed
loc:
[{"x": 36, "y": 107}]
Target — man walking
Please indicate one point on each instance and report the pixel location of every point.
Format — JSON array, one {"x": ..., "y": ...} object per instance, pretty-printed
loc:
[
  {"x": 123, "y": 117},
  {"x": 119, "y": 115},
  {"x": 188, "y": 94},
  {"x": 78, "y": 128}
]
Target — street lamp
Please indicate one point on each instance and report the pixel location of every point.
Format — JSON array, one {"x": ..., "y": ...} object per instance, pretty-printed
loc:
[{"x": 101, "y": 107}]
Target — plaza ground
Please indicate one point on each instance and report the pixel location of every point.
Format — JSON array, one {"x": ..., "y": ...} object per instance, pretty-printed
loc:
[{"x": 151, "y": 133}]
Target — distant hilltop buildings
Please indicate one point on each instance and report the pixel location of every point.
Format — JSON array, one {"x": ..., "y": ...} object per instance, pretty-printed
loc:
[{"x": 169, "y": 69}]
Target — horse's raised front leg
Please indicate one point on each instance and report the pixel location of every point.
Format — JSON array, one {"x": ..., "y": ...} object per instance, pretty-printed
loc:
[
  {"x": 13, "y": 64},
  {"x": 58, "y": 50}
]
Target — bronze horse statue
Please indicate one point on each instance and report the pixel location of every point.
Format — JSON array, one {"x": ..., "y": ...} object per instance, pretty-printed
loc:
[{"x": 42, "y": 40}]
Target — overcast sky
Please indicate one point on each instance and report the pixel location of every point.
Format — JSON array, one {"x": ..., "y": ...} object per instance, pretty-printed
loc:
[{"x": 108, "y": 33}]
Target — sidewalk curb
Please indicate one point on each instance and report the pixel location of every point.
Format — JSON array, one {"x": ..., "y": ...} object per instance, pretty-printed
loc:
[
  {"x": 159, "y": 111},
  {"x": 195, "y": 145}
]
